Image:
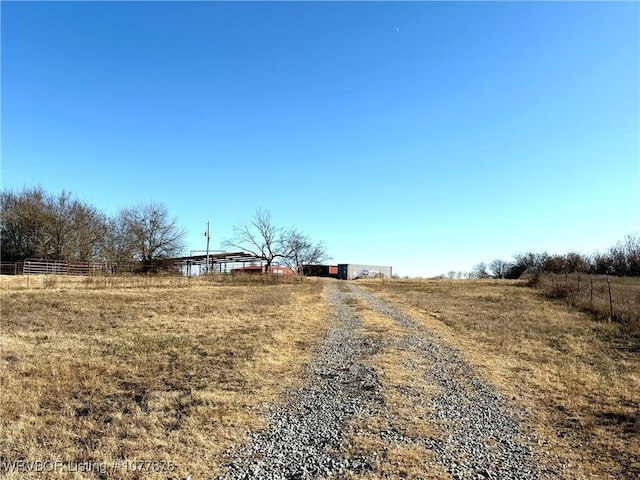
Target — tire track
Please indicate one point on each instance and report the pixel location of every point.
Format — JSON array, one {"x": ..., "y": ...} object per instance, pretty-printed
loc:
[{"x": 306, "y": 437}]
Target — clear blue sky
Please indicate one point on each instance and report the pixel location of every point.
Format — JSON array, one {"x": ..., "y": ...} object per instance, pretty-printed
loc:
[{"x": 427, "y": 136}]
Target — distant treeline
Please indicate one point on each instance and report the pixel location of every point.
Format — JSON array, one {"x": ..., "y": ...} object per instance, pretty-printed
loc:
[
  {"x": 623, "y": 259},
  {"x": 37, "y": 224}
]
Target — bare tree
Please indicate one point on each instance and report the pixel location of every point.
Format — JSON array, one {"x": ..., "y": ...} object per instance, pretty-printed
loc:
[
  {"x": 264, "y": 238},
  {"x": 22, "y": 226},
  {"x": 499, "y": 268},
  {"x": 60, "y": 227},
  {"x": 625, "y": 256},
  {"x": 152, "y": 233},
  {"x": 260, "y": 237},
  {"x": 530, "y": 262},
  {"x": 75, "y": 228},
  {"x": 576, "y": 262},
  {"x": 299, "y": 250},
  {"x": 116, "y": 245},
  {"x": 480, "y": 270}
]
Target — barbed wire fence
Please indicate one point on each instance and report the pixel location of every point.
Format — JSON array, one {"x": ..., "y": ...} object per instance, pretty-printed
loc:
[{"x": 614, "y": 299}]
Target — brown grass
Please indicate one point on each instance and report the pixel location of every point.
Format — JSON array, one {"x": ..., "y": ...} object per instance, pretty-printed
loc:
[
  {"x": 165, "y": 370},
  {"x": 607, "y": 298},
  {"x": 578, "y": 378},
  {"x": 404, "y": 389}
]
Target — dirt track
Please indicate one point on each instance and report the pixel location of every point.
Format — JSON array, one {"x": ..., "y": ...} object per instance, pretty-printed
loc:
[{"x": 309, "y": 435}]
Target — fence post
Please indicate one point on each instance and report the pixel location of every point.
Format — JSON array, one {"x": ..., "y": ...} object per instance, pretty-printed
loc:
[
  {"x": 610, "y": 298},
  {"x": 591, "y": 291}
]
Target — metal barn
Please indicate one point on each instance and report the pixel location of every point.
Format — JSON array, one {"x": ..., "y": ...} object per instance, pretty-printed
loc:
[{"x": 351, "y": 271}]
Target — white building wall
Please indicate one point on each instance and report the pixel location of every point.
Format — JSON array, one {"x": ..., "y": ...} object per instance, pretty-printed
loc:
[{"x": 368, "y": 271}]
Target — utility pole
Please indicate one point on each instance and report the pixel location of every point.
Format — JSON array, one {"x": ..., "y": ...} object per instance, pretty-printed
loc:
[{"x": 208, "y": 235}]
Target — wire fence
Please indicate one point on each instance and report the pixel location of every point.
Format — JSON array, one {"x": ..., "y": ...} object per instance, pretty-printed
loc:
[
  {"x": 47, "y": 274},
  {"x": 609, "y": 298},
  {"x": 11, "y": 268},
  {"x": 136, "y": 281}
]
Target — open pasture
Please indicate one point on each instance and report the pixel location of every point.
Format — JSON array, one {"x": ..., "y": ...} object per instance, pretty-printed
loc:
[
  {"x": 146, "y": 370},
  {"x": 112, "y": 373},
  {"x": 578, "y": 378}
]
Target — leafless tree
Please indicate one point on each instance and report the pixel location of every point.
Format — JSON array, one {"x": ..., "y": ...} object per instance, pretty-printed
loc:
[
  {"x": 532, "y": 263},
  {"x": 60, "y": 227},
  {"x": 480, "y": 270},
  {"x": 116, "y": 245},
  {"x": 576, "y": 262},
  {"x": 264, "y": 238},
  {"x": 75, "y": 228},
  {"x": 299, "y": 250},
  {"x": 499, "y": 268},
  {"x": 625, "y": 256},
  {"x": 261, "y": 237},
  {"x": 152, "y": 232},
  {"x": 22, "y": 226}
]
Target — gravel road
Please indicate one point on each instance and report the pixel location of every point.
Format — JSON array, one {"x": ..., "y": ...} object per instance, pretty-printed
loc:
[{"x": 480, "y": 436}]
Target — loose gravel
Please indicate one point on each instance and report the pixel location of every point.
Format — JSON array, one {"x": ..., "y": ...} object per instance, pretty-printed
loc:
[{"x": 480, "y": 435}]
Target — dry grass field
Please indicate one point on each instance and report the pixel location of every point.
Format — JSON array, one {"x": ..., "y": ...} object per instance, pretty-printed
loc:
[
  {"x": 607, "y": 298},
  {"x": 578, "y": 378},
  {"x": 107, "y": 375},
  {"x": 110, "y": 375}
]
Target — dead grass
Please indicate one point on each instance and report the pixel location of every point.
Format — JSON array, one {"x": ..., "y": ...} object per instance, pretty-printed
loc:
[
  {"x": 607, "y": 298},
  {"x": 165, "y": 370},
  {"x": 404, "y": 389},
  {"x": 579, "y": 378},
  {"x": 167, "y": 280}
]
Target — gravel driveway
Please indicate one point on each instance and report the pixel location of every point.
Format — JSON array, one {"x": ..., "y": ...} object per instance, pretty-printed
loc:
[{"x": 480, "y": 437}]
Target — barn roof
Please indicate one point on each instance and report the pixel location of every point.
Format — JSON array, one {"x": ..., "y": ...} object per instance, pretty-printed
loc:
[{"x": 224, "y": 257}]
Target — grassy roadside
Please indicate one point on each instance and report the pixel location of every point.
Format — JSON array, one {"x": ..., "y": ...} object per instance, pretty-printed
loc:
[
  {"x": 171, "y": 372},
  {"x": 579, "y": 379}
]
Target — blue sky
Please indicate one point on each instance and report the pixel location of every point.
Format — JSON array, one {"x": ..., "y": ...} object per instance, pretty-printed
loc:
[{"x": 427, "y": 136}]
